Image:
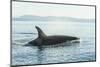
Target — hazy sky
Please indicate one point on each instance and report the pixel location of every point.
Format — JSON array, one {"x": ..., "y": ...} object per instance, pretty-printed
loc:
[{"x": 41, "y": 9}]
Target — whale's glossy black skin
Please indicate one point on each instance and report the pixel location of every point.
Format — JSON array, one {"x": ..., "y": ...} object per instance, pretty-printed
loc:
[{"x": 43, "y": 39}]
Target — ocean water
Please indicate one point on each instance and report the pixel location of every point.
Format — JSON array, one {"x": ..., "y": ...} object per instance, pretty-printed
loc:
[{"x": 25, "y": 31}]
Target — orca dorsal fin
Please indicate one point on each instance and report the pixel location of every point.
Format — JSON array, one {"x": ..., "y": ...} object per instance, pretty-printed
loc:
[{"x": 40, "y": 32}]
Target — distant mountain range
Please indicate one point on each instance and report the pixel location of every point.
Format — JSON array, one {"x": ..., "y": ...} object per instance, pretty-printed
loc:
[{"x": 50, "y": 18}]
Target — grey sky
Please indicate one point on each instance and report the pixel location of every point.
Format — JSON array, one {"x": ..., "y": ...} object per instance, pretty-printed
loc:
[{"x": 41, "y": 9}]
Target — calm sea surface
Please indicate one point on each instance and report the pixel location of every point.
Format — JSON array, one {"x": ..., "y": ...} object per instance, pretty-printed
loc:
[{"x": 23, "y": 32}]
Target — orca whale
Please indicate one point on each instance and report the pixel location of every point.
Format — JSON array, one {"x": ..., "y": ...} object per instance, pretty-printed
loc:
[{"x": 43, "y": 39}]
